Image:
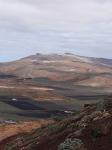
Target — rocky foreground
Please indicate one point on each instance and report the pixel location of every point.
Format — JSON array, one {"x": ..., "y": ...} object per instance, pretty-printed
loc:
[{"x": 91, "y": 129}]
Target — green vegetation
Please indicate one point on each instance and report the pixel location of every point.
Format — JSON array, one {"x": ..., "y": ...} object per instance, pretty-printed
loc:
[
  {"x": 44, "y": 81},
  {"x": 58, "y": 118},
  {"x": 6, "y": 108},
  {"x": 71, "y": 144},
  {"x": 96, "y": 132}
]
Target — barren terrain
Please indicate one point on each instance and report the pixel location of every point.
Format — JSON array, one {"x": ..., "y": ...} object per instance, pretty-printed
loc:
[{"x": 39, "y": 89}]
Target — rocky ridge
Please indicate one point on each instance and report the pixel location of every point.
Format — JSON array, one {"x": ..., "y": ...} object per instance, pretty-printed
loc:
[{"x": 90, "y": 129}]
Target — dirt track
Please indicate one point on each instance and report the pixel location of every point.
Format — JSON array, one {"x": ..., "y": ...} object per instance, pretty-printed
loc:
[{"x": 32, "y": 88}]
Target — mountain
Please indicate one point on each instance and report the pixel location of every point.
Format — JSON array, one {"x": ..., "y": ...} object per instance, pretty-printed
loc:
[
  {"x": 81, "y": 70},
  {"x": 49, "y": 91},
  {"x": 45, "y": 85}
]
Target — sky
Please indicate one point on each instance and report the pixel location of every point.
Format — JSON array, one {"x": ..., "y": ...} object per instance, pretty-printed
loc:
[{"x": 82, "y": 27}]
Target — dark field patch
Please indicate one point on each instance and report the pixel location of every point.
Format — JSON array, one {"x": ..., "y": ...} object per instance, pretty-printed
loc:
[
  {"x": 6, "y": 76},
  {"x": 24, "y": 105},
  {"x": 22, "y": 108}
]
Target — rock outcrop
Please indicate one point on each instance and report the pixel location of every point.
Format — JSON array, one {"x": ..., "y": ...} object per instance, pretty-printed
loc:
[{"x": 92, "y": 127}]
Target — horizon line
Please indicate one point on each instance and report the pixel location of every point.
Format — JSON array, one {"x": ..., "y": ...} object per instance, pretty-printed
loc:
[{"x": 49, "y": 53}]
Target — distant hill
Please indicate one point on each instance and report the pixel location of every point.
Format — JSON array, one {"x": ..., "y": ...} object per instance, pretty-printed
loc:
[{"x": 81, "y": 70}]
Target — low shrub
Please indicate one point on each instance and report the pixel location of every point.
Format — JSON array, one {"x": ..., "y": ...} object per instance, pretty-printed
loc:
[
  {"x": 71, "y": 144},
  {"x": 96, "y": 132}
]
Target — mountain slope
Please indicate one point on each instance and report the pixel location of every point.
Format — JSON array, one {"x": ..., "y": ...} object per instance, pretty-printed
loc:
[
  {"x": 91, "y": 129},
  {"x": 60, "y": 67}
]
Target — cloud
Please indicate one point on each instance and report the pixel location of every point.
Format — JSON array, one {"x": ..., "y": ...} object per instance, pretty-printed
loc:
[
  {"x": 55, "y": 13},
  {"x": 82, "y": 26}
]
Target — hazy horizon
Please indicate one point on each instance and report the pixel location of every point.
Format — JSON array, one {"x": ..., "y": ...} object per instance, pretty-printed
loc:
[
  {"x": 11, "y": 60},
  {"x": 81, "y": 27}
]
